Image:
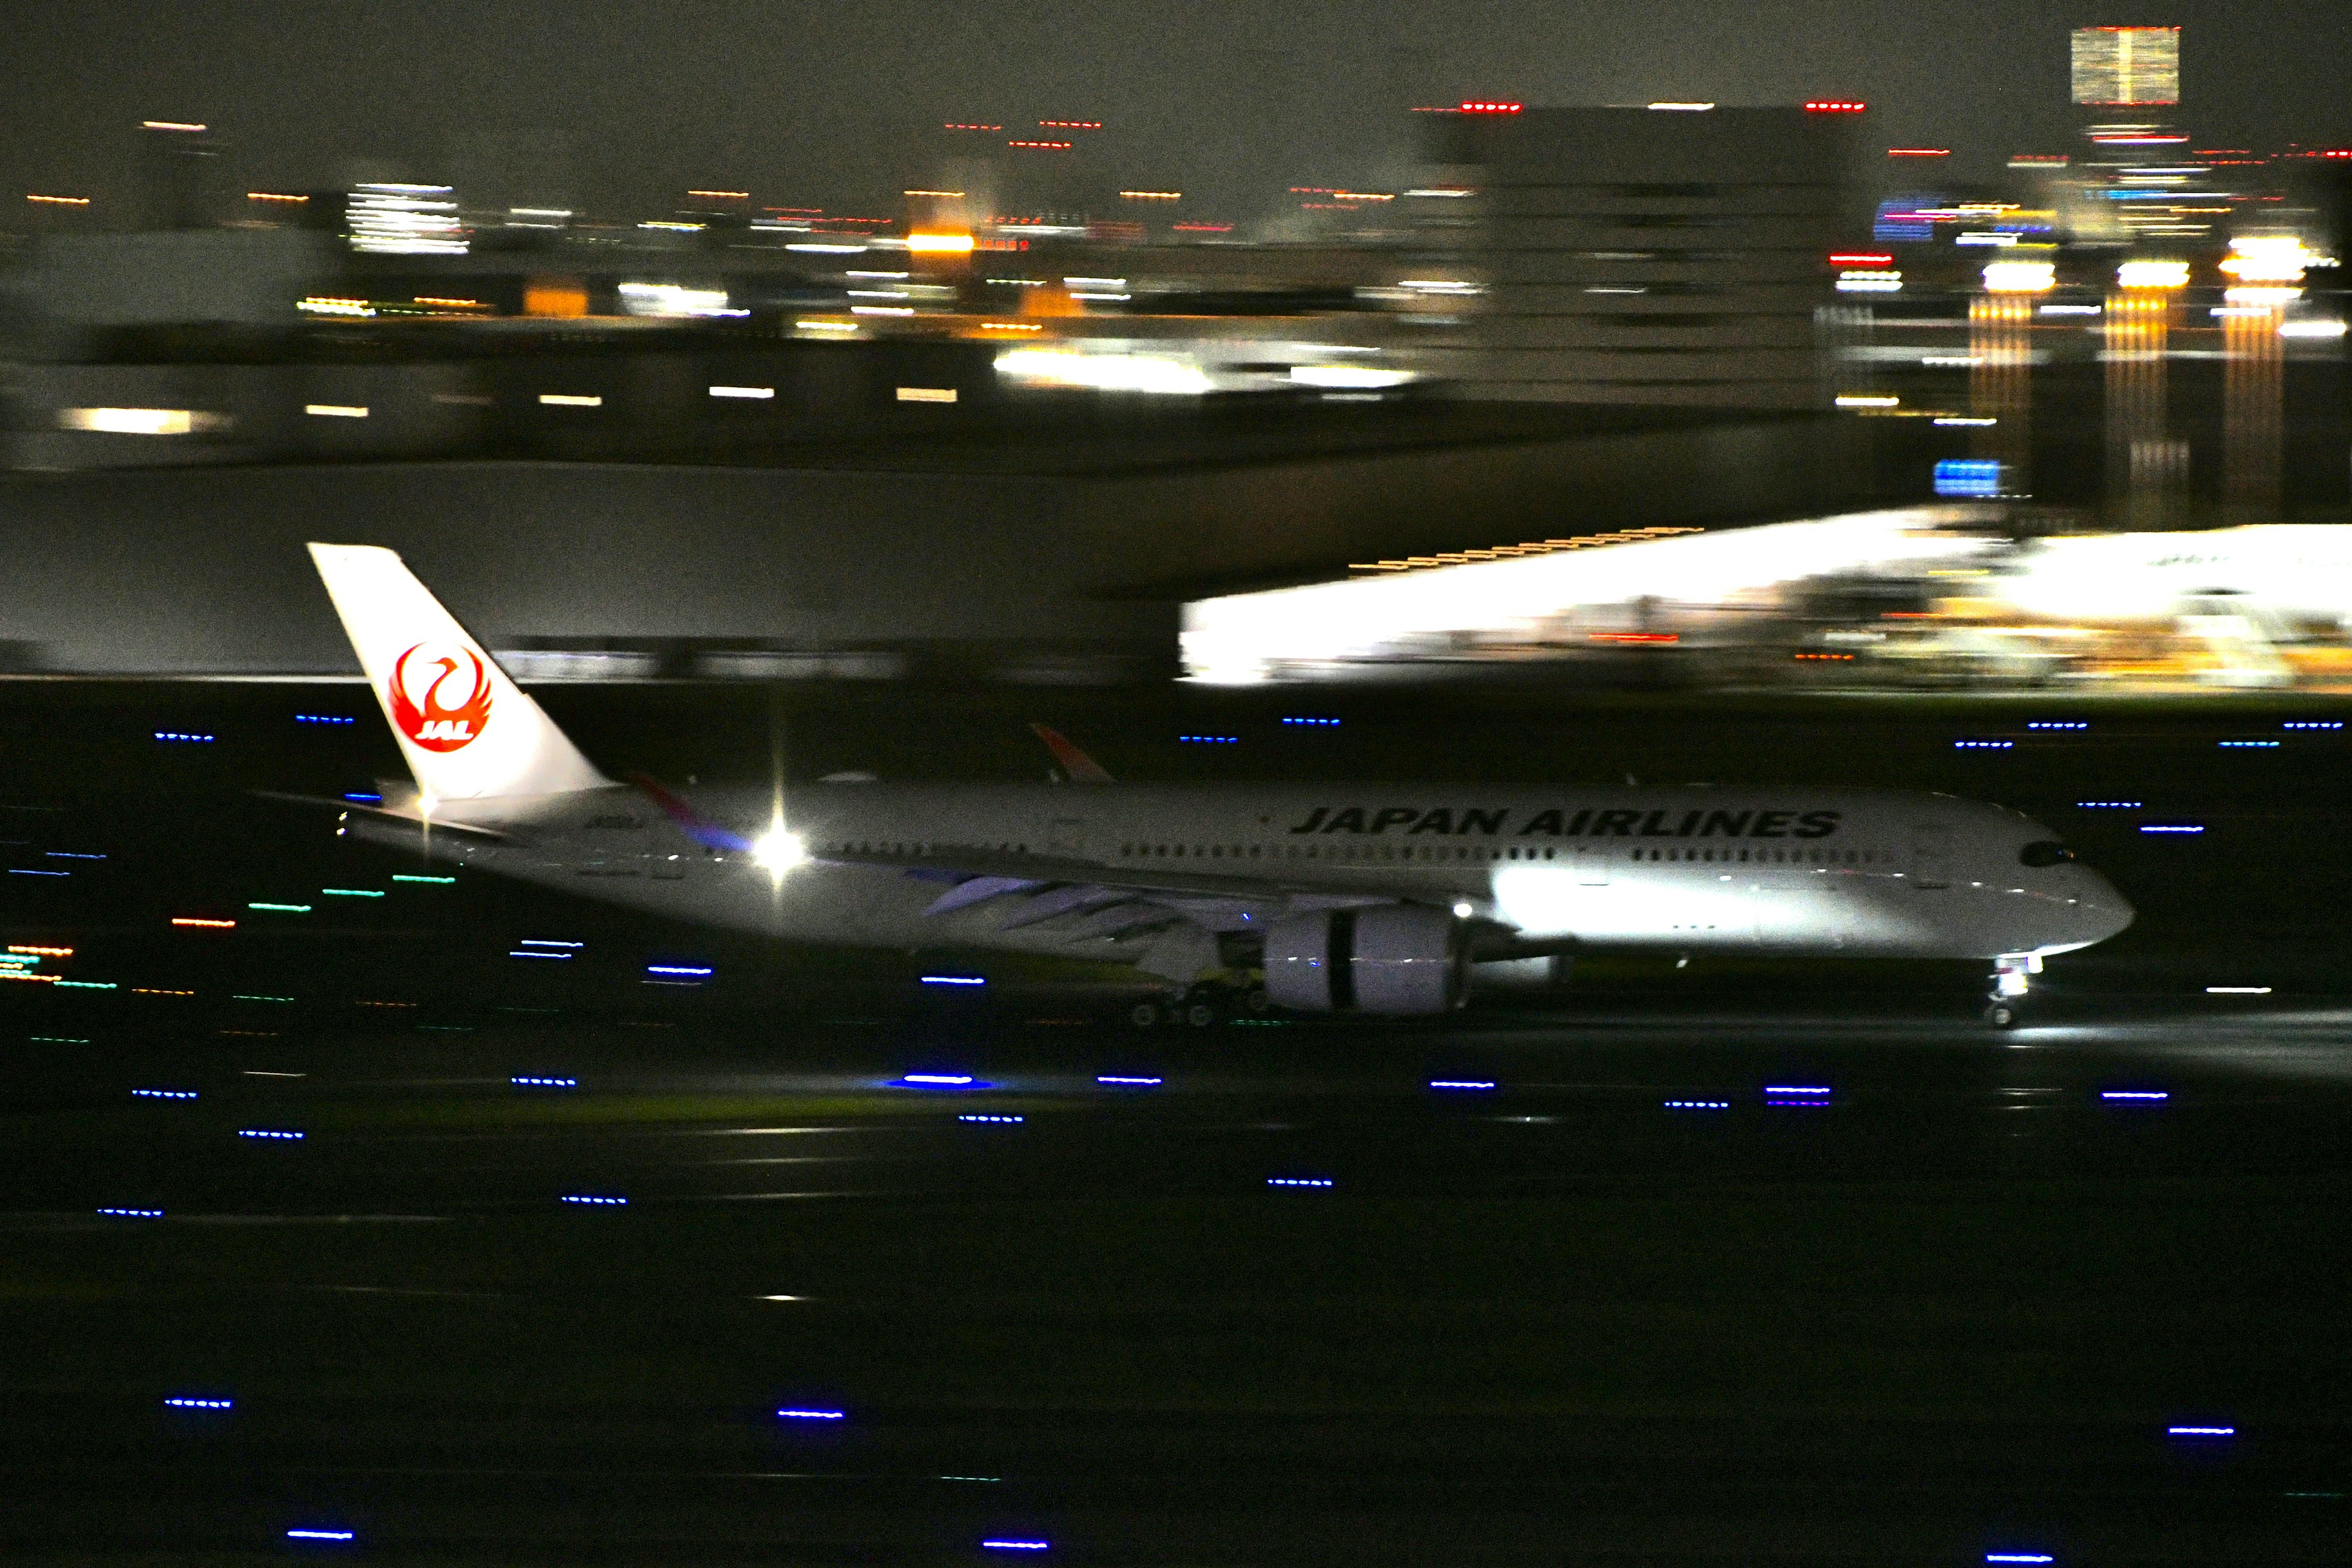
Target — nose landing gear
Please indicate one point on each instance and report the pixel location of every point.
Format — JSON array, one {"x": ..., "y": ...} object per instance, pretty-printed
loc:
[{"x": 2012, "y": 975}]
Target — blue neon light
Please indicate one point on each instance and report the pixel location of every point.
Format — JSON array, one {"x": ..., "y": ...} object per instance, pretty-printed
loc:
[
  {"x": 1461, "y": 1084},
  {"x": 1299, "y": 1182},
  {"x": 791, "y": 1414},
  {"x": 592, "y": 1199},
  {"x": 975, "y": 1116},
  {"x": 953, "y": 979},
  {"x": 159, "y": 1093},
  {"x": 179, "y": 1403},
  {"x": 545, "y": 1082},
  {"x": 267, "y": 1133}
]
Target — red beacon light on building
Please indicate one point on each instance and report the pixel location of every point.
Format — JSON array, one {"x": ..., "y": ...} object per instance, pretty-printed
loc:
[
  {"x": 1834, "y": 106},
  {"x": 1489, "y": 106}
]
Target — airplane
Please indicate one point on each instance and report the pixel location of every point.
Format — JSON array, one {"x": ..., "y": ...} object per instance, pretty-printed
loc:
[{"x": 1375, "y": 899}]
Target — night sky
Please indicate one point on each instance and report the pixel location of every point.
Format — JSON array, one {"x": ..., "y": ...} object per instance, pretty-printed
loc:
[{"x": 1234, "y": 100}]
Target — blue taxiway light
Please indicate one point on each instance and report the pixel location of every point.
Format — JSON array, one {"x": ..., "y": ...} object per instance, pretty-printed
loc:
[
  {"x": 2135, "y": 1094},
  {"x": 163, "y": 1093},
  {"x": 976, "y": 1115},
  {"x": 407, "y": 876},
  {"x": 1303, "y": 722},
  {"x": 182, "y": 1404},
  {"x": 2201, "y": 1431},
  {"x": 793, "y": 1414},
  {"x": 2109, "y": 805},
  {"x": 677, "y": 969},
  {"x": 267, "y": 1133},
  {"x": 1796, "y": 1088},
  {"x": 531, "y": 953},
  {"x": 133, "y": 1214},
  {"x": 19, "y": 871},
  {"x": 363, "y": 797},
  {"x": 1298, "y": 1181},
  {"x": 183, "y": 737},
  {"x": 1983, "y": 745},
  {"x": 2019, "y": 1557},
  {"x": 2057, "y": 724},
  {"x": 352, "y": 892},
  {"x": 2312, "y": 724},
  {"x": 70, "y": 854},
  {"x": 937, "y": 1081},
  {"x": 2257, "y": 745},
  {"x": 319, "y": 1535},
  {"x": 1117, "y": 1080},
  {"x": 545, "y": 1082},
  {"x": 546, "y": 942},
  {"x": 1461, "y": 1084},
  {"x": 953, "y": 979},
  {"x": 2172, "y": 827},
  {"x": 322, "y": 719},
  {"x": 1696, "y": 1104},
  {"x": 1209, "y": 739},
  {"x": 593, "y": 1199},
  {"x": 997, "y": 1545}
]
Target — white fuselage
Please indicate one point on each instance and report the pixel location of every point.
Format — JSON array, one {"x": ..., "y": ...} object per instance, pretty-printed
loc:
[{"x": 1789, "y": 871}]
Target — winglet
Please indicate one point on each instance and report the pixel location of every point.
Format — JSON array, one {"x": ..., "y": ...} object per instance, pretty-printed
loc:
[{"x": 1082, "y": 768}]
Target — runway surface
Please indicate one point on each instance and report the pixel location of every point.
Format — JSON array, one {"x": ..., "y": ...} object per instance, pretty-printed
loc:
[{"x": 1775, "y": 1263}]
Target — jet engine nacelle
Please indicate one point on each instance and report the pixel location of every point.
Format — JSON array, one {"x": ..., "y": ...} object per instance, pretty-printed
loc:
[{"x": 1390, "y": 959}]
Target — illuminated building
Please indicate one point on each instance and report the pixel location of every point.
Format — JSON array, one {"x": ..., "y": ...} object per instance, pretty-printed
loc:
[
  {"x": 2115, "y": 66},
  {"x": 1631, "y": 256}
]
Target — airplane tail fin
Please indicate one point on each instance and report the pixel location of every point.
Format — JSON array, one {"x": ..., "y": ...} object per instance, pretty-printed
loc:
[
  {"x": 1080, "y": 767},
  {"x": 465, "y": 729}
]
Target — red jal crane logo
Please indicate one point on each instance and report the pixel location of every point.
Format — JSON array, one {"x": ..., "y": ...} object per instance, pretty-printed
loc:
[{"x": 437, "y": 725}]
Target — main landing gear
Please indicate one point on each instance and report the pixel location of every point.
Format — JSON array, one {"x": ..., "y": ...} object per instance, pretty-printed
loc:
[
  {"x": 2012, "y": 975},
  {"x": 1197, "y": 1008}
]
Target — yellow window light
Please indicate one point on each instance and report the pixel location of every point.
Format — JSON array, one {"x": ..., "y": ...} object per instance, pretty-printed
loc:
[
  {"x": 2153, "y": 275},
  {"x": 923, "y": 244},
  {"x": 2020, "y": 276}
]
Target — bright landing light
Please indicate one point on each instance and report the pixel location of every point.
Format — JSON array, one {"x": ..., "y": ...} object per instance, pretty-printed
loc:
[{"x": 779, "y": 850}]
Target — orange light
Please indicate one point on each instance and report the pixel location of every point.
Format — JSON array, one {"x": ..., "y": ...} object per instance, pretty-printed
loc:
[
  {"x": 724, "y": 196},
  {"x": 1834, "y": 106},
  {"x": 29, "y": 950},
  {"x": 273, "y": 197},
  {"x": 1636, "y": 637},
  {"x": 1860, "y": 259},
  {"x": 954, "y": 125},
  {"x": 1489, "y": 106},
  {"x": 923, "y": 244},
  {"x": 459, "y": 304},
  {"x": 1918, "y": 152},
  {"x": 1053, "y": 145},
  {"x": 1071, "y": 124},
  {"x": 208, "y": 925},
  {"x": 168, "y": 125},
  {"x": 559, "y": 297},
  {"x": 60, "y": 201}
]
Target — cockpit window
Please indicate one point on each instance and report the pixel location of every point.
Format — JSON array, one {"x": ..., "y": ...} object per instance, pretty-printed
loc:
[{"x": 2045, "y": 852}]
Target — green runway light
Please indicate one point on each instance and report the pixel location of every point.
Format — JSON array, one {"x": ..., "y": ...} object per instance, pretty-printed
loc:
[
  {"x": 352, "y": 892},
  {"x": 282, "y": 909},
  {"x": 402, "y": 877},
  {"x": 241, "y": 996},
  {"x": 86, "y": 985}
]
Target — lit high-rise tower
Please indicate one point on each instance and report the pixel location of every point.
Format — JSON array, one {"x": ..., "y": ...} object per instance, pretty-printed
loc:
[{"x": 2126, "y": 66}]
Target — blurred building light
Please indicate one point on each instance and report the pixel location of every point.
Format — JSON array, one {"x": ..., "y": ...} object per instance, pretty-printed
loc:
[
  {"x": 2262, "y": 297},
  {"x": 1439, "y": 286},
  {"x": 2126, "y": 65},
  {"x": 923, "y": 244},
  {"x": 60, "y": 201},
  {"x": 825, "y": 326},
  {"x": 1448, "y": 192},
  {"x": 1834, "y": 106},
  {"x": 392, "y": 219},
  {"x": 829, "y": 249},
  {"x": 1964, "y": 419},
  {"x": 724, "y": 196},
  {"x": 570, "y": 400},
  {"x": 1054, "y": 146},
  {"x": 2311, "y": 329},
  {"x": 335, "y": 410},
  {"x": 760, "y": 393},
  {"x": 1152, "y": 196},
  {"x": 1489, "y": 106},
  {"x": 1349, "y": 376},
  {"x": 2153, "y": 275},
  {"x": 1918, "y": 152},
  {"x": 953, "y": 125},
  {"x": 927, "y": 394},
  {"x": 1104, "y": 371},
  {"x": 1070, "y": 124},
  {"x": 539, "y": 212},
  {"x": 323, "y": 305},
  {"x": 1683, "y": 108},
  {"x": 2020, "y": 276},
  {"x": 944, "y": 194},
  {"x": 1977, "y": 236},
  {"x": 140, "y": 421},
  {"x": 1867, "y": 400},
  {"x": 556, "y": 298},
  {"x": 675, "y": 227},
  {"x": 2267, "y": 259},
  {"x": 1861, "y": 259},
  {"x": 1094, "y": 282},
  {"x": 673, "y": 300},
  {"x": 2071, "y": 309},
  {"x": 1870, "y": 281},
  {"x": 881, "y": 310},
  {"x": 171, "y": 125},
  {"x": 274, "y": 196}
]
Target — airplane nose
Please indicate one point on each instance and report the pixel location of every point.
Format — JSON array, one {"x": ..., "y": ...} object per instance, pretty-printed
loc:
[{"x": 2105, "y": 912}]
